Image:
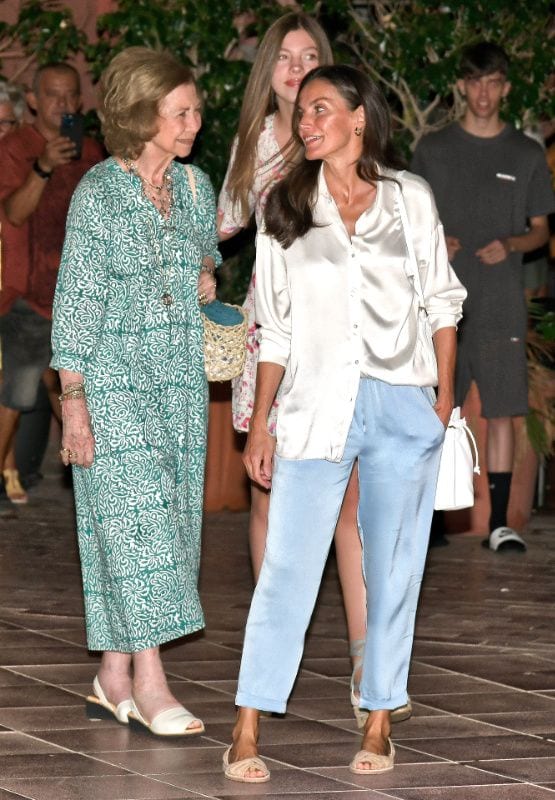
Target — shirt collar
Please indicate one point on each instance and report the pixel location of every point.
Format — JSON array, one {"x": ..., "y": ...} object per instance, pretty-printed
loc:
[{"x": 326, "y": 208}]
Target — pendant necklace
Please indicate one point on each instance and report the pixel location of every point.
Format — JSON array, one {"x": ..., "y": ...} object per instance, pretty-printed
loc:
[
  {"x": 166, "y": 296},
  {"x": 161, "y": 197}
]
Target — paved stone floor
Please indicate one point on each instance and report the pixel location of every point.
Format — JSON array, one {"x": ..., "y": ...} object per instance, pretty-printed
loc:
[{"x": 482, "y": 679}]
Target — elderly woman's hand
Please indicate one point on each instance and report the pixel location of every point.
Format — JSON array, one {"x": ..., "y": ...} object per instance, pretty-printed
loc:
[
  {"x": 206, "y": 287},
  {"x": 77, "y": 438}
]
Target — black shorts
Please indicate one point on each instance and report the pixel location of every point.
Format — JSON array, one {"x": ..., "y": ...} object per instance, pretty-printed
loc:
[
  {"x": 25, "y": 338},
  {"x": 499, "y": 368}
]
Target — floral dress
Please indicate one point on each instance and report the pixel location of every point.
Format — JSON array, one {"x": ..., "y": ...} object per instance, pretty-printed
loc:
[
  {"x": 269, "y": 168},
  {"x": 139, "y": 506}
]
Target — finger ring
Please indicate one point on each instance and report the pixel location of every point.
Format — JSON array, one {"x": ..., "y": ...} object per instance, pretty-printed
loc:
[
  {"x": 72, "y": 455},
  {"x": 202, "y": 298},
  {"x": 64, "y": 451}
]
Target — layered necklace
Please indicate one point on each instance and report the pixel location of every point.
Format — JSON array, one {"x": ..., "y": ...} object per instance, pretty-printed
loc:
[{"x": 161, "y": 196}]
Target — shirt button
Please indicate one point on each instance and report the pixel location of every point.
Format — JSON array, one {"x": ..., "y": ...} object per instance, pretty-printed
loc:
[
  {"x": 355, "y": 326},
  {"x": 356, "y": 362}
]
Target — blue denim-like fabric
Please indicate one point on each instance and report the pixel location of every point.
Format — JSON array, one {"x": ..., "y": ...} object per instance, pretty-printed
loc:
[{"x": 397, "y": 437}]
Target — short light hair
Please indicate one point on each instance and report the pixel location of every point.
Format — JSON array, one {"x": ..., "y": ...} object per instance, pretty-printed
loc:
[
  {"x": 13, "y": 95},
  {"x": 131, "y": 90},
  {"x": 55, "y": 66}
]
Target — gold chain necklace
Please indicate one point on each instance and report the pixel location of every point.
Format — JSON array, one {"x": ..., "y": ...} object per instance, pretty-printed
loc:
[
  {"x": 160, "y": 196},
  {"x": 164, "y": 205}
]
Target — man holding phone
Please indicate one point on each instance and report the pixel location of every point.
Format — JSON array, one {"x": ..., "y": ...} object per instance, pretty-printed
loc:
[{"x": 40, "y": 167}]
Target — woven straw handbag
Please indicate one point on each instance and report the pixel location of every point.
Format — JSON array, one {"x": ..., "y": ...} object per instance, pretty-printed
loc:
[
  {"x": 225, "y": 329},
  {"x": 225, "y": 340}
]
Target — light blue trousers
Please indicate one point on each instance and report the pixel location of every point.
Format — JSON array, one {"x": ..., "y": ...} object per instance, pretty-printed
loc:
[{"x": 396, "y": 436}]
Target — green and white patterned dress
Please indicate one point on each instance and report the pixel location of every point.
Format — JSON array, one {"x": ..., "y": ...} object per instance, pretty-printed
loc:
[{"x": 139, "y": 506}]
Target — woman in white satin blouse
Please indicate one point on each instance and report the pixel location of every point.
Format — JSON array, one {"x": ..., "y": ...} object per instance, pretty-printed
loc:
[{"x": 339, "y": 319}]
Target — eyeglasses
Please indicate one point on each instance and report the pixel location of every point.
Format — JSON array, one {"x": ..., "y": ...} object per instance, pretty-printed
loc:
[{"x": 7, "y": 123}]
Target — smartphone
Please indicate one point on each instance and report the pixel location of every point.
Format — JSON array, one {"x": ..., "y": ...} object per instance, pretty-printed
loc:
[{"x": 72, "y": 127}]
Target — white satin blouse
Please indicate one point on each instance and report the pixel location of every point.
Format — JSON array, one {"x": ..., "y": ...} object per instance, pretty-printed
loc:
[{"x": 333, "y": 308}]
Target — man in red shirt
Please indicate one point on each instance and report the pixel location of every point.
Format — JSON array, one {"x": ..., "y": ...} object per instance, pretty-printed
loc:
[{"x": 39, "y": 171}]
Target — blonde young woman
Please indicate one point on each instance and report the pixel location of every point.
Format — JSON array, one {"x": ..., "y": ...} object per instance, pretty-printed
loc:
[{"x": 263, "y": 152}]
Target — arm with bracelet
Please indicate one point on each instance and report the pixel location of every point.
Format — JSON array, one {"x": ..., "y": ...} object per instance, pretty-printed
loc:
[
  {"x": 78, "y": 316},
  {"x": 77, "y": 438}
]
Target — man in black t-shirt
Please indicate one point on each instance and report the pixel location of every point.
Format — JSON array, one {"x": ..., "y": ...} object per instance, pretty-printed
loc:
[{"x": 493, "y": 191}]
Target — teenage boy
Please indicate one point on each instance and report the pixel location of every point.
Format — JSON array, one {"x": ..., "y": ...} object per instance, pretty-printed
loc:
[{"x": 493, "y": 191}]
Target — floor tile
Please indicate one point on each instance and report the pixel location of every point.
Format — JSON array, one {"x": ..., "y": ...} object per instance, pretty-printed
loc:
[
  {"x": 112, "y": 787},
  {"x": 533, "y": 770},
  {"x": 12, "y": 744},
  {"x": 485, "y": 748},
  {"x": 494, "y": 792},
  {"x": 10, "y": 678},
  {"x": 49, "y": 718},
  {"x": 420, "y": 775},
  {"x": 540, "y": 722},
  {"x": 54, "y": 765},
  {"x": 36, "y": 695},
  {"x": 5, "y": 795},
  {"x": 483, "y": 693},
  {"x": 483, "y": 703}
]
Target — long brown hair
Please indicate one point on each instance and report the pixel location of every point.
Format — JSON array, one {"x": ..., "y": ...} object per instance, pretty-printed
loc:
[
  {"x": 290, "y": 204},
  {"x": 259, "y": 100}
]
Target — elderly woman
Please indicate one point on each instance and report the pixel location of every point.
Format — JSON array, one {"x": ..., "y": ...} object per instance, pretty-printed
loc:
[
  {"x": 139, "y": 257},
  {"x": 339, "y": 317},
  {"x": 12, "y": 107}
]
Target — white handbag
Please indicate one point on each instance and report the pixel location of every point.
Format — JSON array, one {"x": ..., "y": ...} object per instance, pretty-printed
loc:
[
  {"x": 459, "y": 456},
  {"x": 459, "y": 463}
]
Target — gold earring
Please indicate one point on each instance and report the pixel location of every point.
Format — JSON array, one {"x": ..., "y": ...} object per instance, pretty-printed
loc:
[{"x": 358, "y": 131}]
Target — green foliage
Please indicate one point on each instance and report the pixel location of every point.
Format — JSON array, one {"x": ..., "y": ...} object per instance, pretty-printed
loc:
[
  {"x": 43, "y": 33},
  {"x": 544, "y": 321},
  {"x": 412, "y": 48},
  {"x": 540, "y": 422},
  {"x": 537, "y": 433},
  {"x": 200, "y": 34}
]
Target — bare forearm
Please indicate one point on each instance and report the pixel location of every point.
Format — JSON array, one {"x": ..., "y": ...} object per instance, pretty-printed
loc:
[
  {"x": 268, "y": 379},
  {"x": 66, "y": 377},
  {"x": 77, "y": 437},
  {"x": 208, "y": 264},
  {"x": 23, "y": 202},
  {"x": 445, "y": 345},
  {"x": 536, "y": 237}
]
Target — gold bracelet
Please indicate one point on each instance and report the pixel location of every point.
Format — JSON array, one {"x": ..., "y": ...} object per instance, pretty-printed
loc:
[
  {"x": 209, "y": 270},
  {"x": 72, "y": 391},
  {"x": 73, "y": 396}
]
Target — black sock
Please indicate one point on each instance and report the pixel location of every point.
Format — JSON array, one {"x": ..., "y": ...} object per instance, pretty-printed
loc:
[{"x": 499, "y": 490}]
